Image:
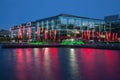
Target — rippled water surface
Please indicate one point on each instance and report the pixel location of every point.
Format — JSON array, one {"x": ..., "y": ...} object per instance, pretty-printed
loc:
[{"x": 59, "y": 64}]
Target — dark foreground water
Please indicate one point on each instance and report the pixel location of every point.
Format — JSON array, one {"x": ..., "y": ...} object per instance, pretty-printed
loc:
[{"x": 59, "y": 64}]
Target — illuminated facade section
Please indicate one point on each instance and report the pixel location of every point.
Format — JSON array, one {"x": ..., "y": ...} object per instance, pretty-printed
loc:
[
  {"x": 113, "y": 27},
  {"x": 64, "y": 26},
  {"x": 70, "y": 26},
  {"x": 23, "y": 32}
]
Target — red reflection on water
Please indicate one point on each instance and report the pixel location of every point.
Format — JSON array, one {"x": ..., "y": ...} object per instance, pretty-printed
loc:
[
  {"x": 112, "y": 64},
  {"x": 37, "y": 56},
  {"x": 100, "y": 64},
  {"x": 20, "y": 69},
  {"x": 55, "y": 53},
  {"x": 51, "y": 64},
  {"x": 88, "y": 59},
  {"x": 29, "y": 55}
]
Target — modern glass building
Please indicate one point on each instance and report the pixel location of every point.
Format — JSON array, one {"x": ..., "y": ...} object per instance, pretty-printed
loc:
[
  {"x": 67, "y": 24},
  {"x": 113, "y": 23},
  {"x": 62, "y": 26}
]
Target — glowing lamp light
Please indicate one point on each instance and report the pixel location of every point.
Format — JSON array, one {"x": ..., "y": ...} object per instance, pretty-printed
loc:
[
  {"x": 76, "y": 31},
  {"x": 102, "y": 36}
]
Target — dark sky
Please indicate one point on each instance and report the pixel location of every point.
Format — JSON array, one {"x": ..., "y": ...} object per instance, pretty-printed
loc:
[{"x": 14, "y": 12}]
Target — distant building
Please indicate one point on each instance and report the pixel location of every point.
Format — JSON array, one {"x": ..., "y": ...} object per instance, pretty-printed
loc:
[{"x": 4, "y": 33}]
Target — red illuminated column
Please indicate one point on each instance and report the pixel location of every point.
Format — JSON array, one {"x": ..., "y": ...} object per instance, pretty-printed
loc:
[
  {"x": 50, "y": 34},
  {"x": 109, "y": 36},
  {"x": 38, "y": 33},
  {"x": 55, "y": 32},
  {"x": 107, "y": 39},
  {"x": 19, "y": 33},
  {"x": 45, "y": 34},
  {"x": 88, "y": 34},
  {"x": 29, "y": 34},
  {"x": 23, "y": 32},
  {"x": 113, "y": 37}
]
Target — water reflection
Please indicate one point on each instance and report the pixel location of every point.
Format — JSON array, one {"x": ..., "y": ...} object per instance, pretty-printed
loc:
[
  {"x": 59, "y": 64},
  {"x": 32, "y": 64},
  {"x": 100, "y": 64},
  {"x": 112, "y": 61},
  {"x": 74, "y": 70},
  {"x": 20, "y": 64}
]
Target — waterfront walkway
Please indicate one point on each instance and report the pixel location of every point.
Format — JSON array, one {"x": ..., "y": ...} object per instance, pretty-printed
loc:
[{"x": 92, "y": 45}]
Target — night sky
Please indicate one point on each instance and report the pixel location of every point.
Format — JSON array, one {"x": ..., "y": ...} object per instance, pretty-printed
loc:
[{"x": 13, "y": 12}]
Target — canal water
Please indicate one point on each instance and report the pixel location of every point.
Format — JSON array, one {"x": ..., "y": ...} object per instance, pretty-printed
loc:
[{"x": 59, "y": 64}]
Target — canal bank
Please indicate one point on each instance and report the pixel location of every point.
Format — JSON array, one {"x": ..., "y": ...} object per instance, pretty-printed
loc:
[{"x": 94, "y": 46}]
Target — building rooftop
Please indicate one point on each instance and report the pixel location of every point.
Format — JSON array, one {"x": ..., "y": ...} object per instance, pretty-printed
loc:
[
  {"x": 67, "y": 15},
  {"x": 112, "y": 18}
]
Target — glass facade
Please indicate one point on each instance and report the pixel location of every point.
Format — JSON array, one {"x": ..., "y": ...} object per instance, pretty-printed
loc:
[{"x": 64, "y": 24}]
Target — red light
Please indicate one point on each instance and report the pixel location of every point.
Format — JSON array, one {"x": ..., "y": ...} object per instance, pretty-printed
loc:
[
  {"x": 38, "y": 33},
  {"x": 113, "y": 37},
  {"x": 50, "y": 34},
  {"x": 29, "y": 34},
  {"x": 88, "y": 34},
  {"x": 55, "y": 32},
  {"x": 45, "y": 34}
]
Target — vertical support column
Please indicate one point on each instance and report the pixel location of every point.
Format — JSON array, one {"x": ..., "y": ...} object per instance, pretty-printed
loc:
[
  {"x": 59, "y": 30},
  {"x": 38, "y": 33},
  {"x": 19, "y": 33},
  {"x": 113, "y": 37},
  {"x": 55, "y": 32},
  {"x": 23, "y": 33},
  {"x": 116, "y": 36},
  {"x": 29, "y": 34},
  {"x": 45, "y": 34}
]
